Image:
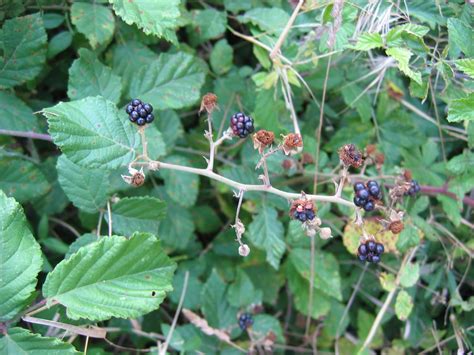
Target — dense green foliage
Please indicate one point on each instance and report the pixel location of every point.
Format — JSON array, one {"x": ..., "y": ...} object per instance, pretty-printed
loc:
[{"x": 82, "y": 249}]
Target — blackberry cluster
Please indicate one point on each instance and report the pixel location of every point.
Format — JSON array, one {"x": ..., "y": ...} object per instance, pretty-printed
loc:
[
  {"x": 365, "y": 195},
  {"x": 241, "y": 124},
  {"x": 370, "y": 252},
  {"x": 139, "y": 112},
  {"x": 304, "y": 215},
  {"x": 414, "y": 188},
  {"x": 245, "y": 321}
]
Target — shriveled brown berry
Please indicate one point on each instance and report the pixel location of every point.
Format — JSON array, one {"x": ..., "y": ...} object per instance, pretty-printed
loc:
[
  {"x": 350, "y": 155},
  {"x": 379, "y": 158},
  {"x": 370, "y": 149},
  {"x": 407, "y": 175},
  {"x": 307, "y": 158},
  {"x": 208, "y": 102},
  {"x": 291, "y": 143},
  {"x": 287, "y": 164},
  {"x": 396, "y": 227},
  {"x": 263, "y": 139}
]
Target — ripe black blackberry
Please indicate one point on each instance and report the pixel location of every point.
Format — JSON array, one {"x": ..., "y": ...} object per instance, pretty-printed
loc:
[
  {"x": 303, "y": 210},
  {"x": 245, "y": 321},
  {"x": 241, "y": 125},
  {"x": 414, "y": 188},
  {"x": 370, "y": 251},
  {"x": 366, "y": 194},
  {"x": 139, "y": 112}
]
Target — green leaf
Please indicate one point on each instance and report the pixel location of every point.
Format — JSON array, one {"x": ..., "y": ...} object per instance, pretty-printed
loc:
[
  {"x": 221, "y": 57},
  {"x": 52, "y": 20},
  {"x": 20, "y": 259},
  {"x": 169, "y": 124},
  {"x": 158, "y": 17},
  {"x": 128, "y": 58},
  {"x": 12, "y": 106},
  {"x": 114, "y": 277},
  {"x": 461, "y": 164},
  {"x": 461, "y": 109},
  {"x": 450, "y": 206},
  {"x": 94, "y": 21},
  {"x": 355, "y": 97},
  {"x": 24, "y": 44},
  {"x": 19, "y": 341},
  {"x": 461, "y": 36},
  {"x": 364, "y": 323},
  {"x": 217, "y": 311},
  {"x": 265, "y": 324},
  {"x": 209, "y": 24},
  {"x": 394, "y": 36},
  {"x": 83, "y": 240},
  {"x": 176, "y": 232},
  {"x": 467, "y": 66},
  {"x": 91, "y": 133},
  {"x": 271, "y": 20},
  {"x": 387, "y": 281},
  {"x": 402, "y": 56},
  {"x": 326, "y": 270},
  {"x": 242, "y": 292},
  {"x": 22, "y": 179},
  {"x": 266, "y": 232},
  {"x": 409, "y": 237},
  {"x": 171, "y": 81},
  {"x": 59, "y": 43},
  {"x": 403, "y": 305},
  {"x": 367, "y": 41},
  {"x": 137, "y": 214},
  {"x": 89, "y": 77},
  {"x": 183, "y": 188},
  {"x": 86, "y": 188},
  {"x": 410, "y": 274}
]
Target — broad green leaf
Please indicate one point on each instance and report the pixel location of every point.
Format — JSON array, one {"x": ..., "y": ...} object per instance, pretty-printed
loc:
[
  {"x": 462, "y": 163},
  {"x": 364, "y": 323},
  {"x": 467, "y": 66},
  {"x": 59, "y": 43},
  {"x": 299, "y": 287},
  {"x": 402, "y": 56},
  {"x": 24, "y": 44},
  {"x": 94, "y": 21},
  {"x": 169, "y": 124},
  {"x": 86, "y": 188},
  {"x": 394, "y": 36},
  {"x": 19, "y": 341},
  {"x": 410, "y": 274},
  {"x": 128, "y": 58},
  {"x": 242, "y": 292},
  {"x": 158, "y": 17},
  {"x": 137, "y": 214},
  {"x": 171, "y": 81},
  {"x": 15, "y": 114},
  {"x": 326, "y": 270},
  {"x": 387, "y": 281},
  {"x": 89, "y": 77},
  {"x": 355, "y": 97},
  {"x": 52, "y": 20},
  {"x": 221, "y": 57},
  {"x": 83, "y": 240},
  {"x": 20, "y": 259},
  {"x": 156, "y": 142},
  {"x": 461, "y": 109},
  {"x": 217, "y": 311},
  {"x": 265, "y": 324},
  {"x": 114, "y": 277},
  {"x": 208, "y": 24},
  {"x": 367, "y": 41},
  {"x": 450, "y": 206},
  {"x": 194, "y": 288},
  {"x": 176, "y": 233},
  {"x": 271, "y": 20},
  {"x": 409, "y": 237},
  {"x": 266, "y": 233},
  {"x": 461, "y": 36},
  {"x": 403, "y": 305},
  {"x": 182, "y": 187},
  {"x": 92, "y": 134},
  {"x": 11, "y": 8},
  {"x": 22, "y": 179}
]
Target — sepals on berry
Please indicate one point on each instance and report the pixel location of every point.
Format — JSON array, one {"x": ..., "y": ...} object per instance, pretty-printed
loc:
[
  {"x": 136, "y": 177},
  {"x": 262, "y": 139},
  {"x": 292, "y": 143},
  {"x": 350, "y": 156}
]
